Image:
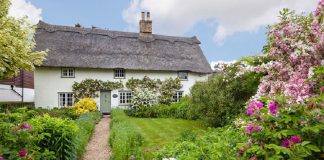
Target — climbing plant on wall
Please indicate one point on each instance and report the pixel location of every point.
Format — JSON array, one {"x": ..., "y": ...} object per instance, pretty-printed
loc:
[
  {"x": 90, "y": 87},
  {"x": 164, "y": 90}
]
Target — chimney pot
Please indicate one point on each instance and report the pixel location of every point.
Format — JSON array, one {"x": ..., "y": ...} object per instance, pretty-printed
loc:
[
  {"x": 143, "y": 15},
  {"x": 148, "y": 16},
  {"x": 145, "y": 24}
]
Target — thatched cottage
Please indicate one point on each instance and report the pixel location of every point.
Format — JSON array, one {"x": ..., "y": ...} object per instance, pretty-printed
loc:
[{"x": 77, "y": 53}]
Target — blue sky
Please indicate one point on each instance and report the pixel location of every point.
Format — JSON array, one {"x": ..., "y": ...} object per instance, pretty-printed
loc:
[{"x": 235, "y": 36}]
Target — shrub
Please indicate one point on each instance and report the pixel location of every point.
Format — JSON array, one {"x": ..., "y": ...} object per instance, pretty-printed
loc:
[
  {"x": 143, "y": 98},
  {"x": 58, "y": 135},
  {"x": 162, "y": 90},
  {"x": 286, "y": 115},
  {"x": 85, "y": 105},
  {"x": 213, "y": 144},
  {"x": 86, "y": 123},
  {"x": 65, "y": 112},
  {"x": 181, "y": 109},
  {"x": 18, "y": 138},
  {"x": 223, "y": 96},
  {"x": 124, "y": 140}
]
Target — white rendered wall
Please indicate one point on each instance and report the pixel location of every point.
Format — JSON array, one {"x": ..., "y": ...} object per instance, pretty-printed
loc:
[
  {"x": 48, "y": 82},
  {"x": 8, "y": 95}
]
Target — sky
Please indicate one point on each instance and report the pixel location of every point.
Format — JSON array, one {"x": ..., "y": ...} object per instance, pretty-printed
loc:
[{"x": 227, "y": 29}]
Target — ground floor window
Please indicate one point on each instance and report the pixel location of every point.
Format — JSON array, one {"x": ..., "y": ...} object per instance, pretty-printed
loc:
[
  {"x": 125, "y": 97},
  {"x": 65, "y": 99},
  {"x": 177, "y": 96}
]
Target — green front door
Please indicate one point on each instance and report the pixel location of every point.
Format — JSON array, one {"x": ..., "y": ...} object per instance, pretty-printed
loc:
[{"x": 105, "y": 102}]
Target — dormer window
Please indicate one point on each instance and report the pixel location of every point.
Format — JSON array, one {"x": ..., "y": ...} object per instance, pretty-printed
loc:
[
  {"x": 68, "y": 73},
  {"x": 119, "y": 73},
  {"x": 182, "y": 75}
]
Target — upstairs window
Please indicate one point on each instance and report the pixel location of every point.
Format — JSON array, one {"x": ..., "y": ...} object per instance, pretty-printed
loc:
[
  {"x": 119, "y": 73},
  {"x": 183, "y": 75},
  {"x": 65, "y": 99},
  {"x": 68, "y": 73},
  {"x": 177, "y": 96},
  {"x": 125, "y": 97}
]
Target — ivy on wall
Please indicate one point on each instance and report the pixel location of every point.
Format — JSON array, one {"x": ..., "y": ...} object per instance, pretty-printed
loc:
[
  {"x": 164, "y": 90},
  {"x": 90, "y": 87}
]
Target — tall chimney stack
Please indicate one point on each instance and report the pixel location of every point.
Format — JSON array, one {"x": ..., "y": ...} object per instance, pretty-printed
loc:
[{"x": 146, "y": 23}]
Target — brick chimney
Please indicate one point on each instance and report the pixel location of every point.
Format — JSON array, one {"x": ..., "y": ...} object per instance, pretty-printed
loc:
[{"x": 146, "y": 24}]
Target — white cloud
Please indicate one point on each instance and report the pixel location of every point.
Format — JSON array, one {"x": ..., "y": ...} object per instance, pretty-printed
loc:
[
  {"x": 176, "y": 17},
  {"x": 219, "y": 65},
  {"x": 23, "y": 8}
]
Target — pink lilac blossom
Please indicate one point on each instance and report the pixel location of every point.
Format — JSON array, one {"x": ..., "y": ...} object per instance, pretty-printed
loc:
[{"x": 293, "y": 49}]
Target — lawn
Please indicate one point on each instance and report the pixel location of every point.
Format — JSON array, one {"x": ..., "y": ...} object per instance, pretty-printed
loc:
[{"x": 161, "y": 131}]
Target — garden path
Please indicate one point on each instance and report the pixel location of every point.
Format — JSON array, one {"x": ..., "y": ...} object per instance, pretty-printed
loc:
[{"x": 98, "y": 147}]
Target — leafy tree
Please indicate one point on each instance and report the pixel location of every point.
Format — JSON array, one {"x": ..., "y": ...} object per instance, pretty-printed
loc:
[{"x": 16, "y": 44}]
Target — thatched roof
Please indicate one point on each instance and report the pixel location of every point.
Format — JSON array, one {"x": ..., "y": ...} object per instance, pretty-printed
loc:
[{"x": 98, "y": 48}]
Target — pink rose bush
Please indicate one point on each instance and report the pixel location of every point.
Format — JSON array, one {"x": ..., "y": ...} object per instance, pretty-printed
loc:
[{"x": 286, "y": 117}]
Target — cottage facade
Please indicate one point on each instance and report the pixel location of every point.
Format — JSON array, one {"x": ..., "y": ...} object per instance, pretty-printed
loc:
[{"x": 76, "y": 53}]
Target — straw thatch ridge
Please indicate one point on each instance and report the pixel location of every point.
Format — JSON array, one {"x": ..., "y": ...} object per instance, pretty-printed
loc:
[{"x": 98, "y": 48}]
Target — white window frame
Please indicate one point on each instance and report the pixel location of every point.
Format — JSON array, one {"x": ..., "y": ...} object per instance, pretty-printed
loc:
[
  {"x": 125, "y": 97},
  {"x": 119, "y": 73},
  {"x": 65, "y": 99},
  {"x": 68, "y": 72},
  {"x": 177, "y": 96},
  {"x": 183, "y": 75}
]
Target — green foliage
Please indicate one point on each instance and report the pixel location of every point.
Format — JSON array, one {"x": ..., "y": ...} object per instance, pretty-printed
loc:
[
  {"x": 16, "y": 44},
  {"x": 65, "y": 112},
  {"x": 19, "y": 136},
  {"x": 164, "y": 90},
  {"x": 124, "y": 140},
  {"x": 58, "y": 135},
  {"x": 292, "y": 120},
  {"x": 223, "y": 96},
  {"x": 181, "y": 109},
  {"x": 86, "y": 123},
  {"x": 88, "y": 88},
  {"x": 214, "y": 144}
]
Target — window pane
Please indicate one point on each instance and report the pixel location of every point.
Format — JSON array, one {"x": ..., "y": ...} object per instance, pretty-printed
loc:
[
  {"x": 183, "y": 75},
  {"x": 119, "y": 73}
]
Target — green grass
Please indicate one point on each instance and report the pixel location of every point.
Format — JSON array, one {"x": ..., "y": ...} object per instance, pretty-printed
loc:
[{"x": 162, "y": 131}]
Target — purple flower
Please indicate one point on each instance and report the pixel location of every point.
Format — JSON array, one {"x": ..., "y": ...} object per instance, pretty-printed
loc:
[
  {"x": 256, "y": 104},
  {"x": 26, "y": 126},
  {"x": 22, "y": 153},
  {"x": 256, "y": 128},
  {"x": 273, "y": 107},
  {"x": 241, "y": 151},
  {"x": 1, "y": 158},
  {"x": 285, "y": 143},
  {"x": 254, "y": 108},
  {"x": 253, "y": 158},
  {"x": 296, "y": 139},
  {"x": 249, "y": 129}
]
